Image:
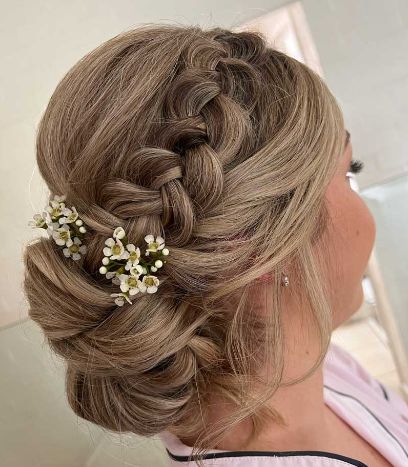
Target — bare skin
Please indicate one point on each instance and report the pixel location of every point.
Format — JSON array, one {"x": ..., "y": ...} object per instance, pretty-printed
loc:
[{"x": 312, "y": 425}]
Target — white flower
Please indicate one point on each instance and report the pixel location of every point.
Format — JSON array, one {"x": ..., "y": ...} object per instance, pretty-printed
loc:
[
  {"x": 51, "y": 225},
  {"x": 154, "y": 246},
  {"x": 74, "y": 248},
  {"x": 137, "y": 270},
  {"x": 69, "y": 216},
  {"x": 38, "y": 221},
  {"x": 120, "y": 300},
  {"x": 129, "y": 284},
  {"x": 61, "y": 235},
  {"x": 158, "y": 263},
  {"x": 115, "y": 249},
  {"x": 113, "y": 275},
  {"x": 119, "y": 233},
  {"x": 149, "y": 284},
  {"x": 134, "y": 255},
  {"x": 55, "y": 208},
  {"x": 59, "y": 198},
  {"x": 165, "y": 251},
  {"x": 54, "y": 226}
]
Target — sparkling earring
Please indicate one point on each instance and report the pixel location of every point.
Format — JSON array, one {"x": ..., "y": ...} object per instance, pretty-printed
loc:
[{"x": 285, "y": 280}]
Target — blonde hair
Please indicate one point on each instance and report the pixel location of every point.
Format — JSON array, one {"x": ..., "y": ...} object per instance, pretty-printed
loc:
[{"x": 224, "y": 147}]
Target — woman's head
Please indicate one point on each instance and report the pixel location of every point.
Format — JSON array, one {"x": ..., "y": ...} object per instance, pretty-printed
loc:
[{"x": 225, "y": 148}]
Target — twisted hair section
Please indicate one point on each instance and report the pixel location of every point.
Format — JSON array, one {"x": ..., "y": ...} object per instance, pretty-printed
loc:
[{"x": 224, "y": 147}]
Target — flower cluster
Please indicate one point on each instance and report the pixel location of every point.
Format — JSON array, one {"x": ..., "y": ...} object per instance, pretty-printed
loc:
[
  {"x": 122, "y": 261},
  {"x": 124, "y": 264},
  {"x": 63, "y": 225}
]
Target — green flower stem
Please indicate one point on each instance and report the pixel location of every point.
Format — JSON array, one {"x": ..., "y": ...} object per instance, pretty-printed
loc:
[
  {"x": 77, "y": 233},
  {"x": 142, "y": 261}
]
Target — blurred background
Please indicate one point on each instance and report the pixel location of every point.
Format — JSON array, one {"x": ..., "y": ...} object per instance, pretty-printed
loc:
[{"x": 358, "y": 46}]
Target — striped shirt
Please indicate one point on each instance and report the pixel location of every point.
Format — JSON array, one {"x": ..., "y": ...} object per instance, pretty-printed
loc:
[{"x": 376, "y": 412}]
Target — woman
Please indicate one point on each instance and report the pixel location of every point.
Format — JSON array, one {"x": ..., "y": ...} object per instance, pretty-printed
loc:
[{"x": 231, "y": 161}]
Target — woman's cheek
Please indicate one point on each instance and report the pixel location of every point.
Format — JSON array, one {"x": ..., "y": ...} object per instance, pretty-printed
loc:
[
  {"x": 362, "y": 231},
  {"x": 366, "y": 233}
]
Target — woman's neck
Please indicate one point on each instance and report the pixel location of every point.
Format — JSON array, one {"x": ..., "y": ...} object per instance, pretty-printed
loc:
[{"x": 302, "y": 404}]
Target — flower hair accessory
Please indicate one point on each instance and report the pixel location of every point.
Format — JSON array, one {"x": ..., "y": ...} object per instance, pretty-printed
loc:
[
  {"x": 63, "y": 225},
  {"x": 124, "y": 264},
  {"x": 122, "y": 261}
]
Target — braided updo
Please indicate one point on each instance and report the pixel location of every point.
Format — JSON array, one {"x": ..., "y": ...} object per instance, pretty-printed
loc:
[{"x": 222, "y": 146}]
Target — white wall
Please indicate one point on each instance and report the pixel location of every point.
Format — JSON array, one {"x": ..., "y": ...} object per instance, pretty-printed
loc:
[{"x": 363, "y": 48}]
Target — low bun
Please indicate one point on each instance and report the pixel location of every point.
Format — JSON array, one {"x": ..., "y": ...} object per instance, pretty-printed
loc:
[{"x": 146, "y": 401}]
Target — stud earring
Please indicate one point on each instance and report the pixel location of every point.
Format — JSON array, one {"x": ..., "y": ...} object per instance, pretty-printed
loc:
[{"x": 285, "y": 280}]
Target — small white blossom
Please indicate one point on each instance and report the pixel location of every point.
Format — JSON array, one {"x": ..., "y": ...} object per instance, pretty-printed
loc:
[
  {"x": 38, "y": 221},
  {"x": 103, "y": 270},
  {"x": 110, "y": 274},
  {"x": 55, "y": 209},
  {"x": 79, "y": 222},
  {"x": 61, "y": 235},
  {"x": 59, "y": 198},
  {"x": 129, "y": 283},
  {"x": 134, "y": 255},
  {"x": 120, "y": 298},
  {"x": 153, "y": 269},
  {"x": 137, "y": 270},
  {"x": 115, "y": 249},
  {"x": 52, "y": 226},
  {"x": 74, "y": 249},
  {"x": 105, "y": 260},
  {"x": 69, "y": 216},
  {"x": 119, "y": 233},
  {"x": 150, "y": 284},
  {"x": 165, "y": 251},
  {"x": 158, "y": 263},
  {"x": 154, "y": 245},
  {"x": 82, "y": 229}
]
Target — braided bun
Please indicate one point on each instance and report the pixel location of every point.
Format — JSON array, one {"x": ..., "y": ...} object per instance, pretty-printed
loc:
[{"x": 199, "y": 137}]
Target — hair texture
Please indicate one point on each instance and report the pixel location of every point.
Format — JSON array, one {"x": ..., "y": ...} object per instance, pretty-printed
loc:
[{"x": 222, "y": 145}]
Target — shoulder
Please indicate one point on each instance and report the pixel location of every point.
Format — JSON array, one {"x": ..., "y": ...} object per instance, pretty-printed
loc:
[{"x": 343, "y": 371}]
